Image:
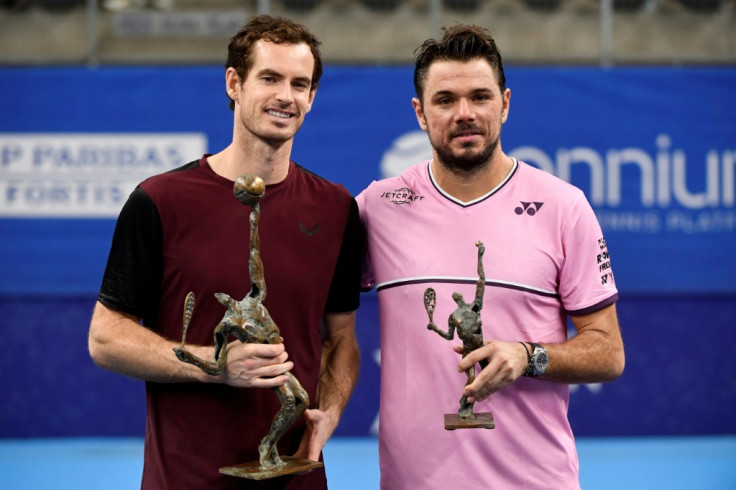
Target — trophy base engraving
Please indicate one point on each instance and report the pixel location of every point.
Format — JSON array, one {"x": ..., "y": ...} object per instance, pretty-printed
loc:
[
  {"x": 254, "y": 470},
  {"x": 481, "y": 421}
]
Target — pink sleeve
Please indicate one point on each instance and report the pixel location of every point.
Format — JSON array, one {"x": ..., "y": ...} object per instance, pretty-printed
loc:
[{"x": 586, "y": 278}]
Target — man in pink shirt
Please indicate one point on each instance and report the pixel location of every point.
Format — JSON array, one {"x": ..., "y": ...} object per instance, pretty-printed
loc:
[{"x": 545, "y": 260}]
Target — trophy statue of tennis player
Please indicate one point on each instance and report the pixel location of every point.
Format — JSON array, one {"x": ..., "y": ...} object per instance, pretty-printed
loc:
[
  {"x": 466, "y": 320},
  {"x": 248, "y": 320}
]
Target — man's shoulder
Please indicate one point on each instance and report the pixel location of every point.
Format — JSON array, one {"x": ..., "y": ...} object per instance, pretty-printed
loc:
[
  {"x": 536, "y": 176},
  {"x": 166, "y": 179},
  {"x": 316, "y": 181},
  {"x": 410, "y": 180},
  {"x": 313, "y": 186}
]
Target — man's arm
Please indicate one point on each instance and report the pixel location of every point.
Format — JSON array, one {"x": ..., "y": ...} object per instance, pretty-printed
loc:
[
  {"x": 594, "y": 355},
  {"x": 337, "y": 378},
  {"x": 119, "y": 343}
]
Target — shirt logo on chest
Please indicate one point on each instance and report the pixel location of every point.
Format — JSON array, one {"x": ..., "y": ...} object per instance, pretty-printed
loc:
[
  {"x": 530, "y": 208},
  {"x": 309, "y": 231},
  {"x": 403, "y": 195}
]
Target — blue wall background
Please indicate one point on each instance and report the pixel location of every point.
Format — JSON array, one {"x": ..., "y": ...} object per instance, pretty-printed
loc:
[{"x": 665, "y": 138}]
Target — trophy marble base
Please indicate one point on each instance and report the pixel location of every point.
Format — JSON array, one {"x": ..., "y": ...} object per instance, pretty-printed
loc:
[
  {"x": 481, "y": 421},
  {"x": 254, "y": 470}
]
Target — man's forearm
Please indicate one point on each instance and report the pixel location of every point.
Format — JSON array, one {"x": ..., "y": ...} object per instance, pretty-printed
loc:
[
  {"x": 120, "y": 344},
  {"x": 340, "y": 367},
  {"x": 594, "y": 355}
]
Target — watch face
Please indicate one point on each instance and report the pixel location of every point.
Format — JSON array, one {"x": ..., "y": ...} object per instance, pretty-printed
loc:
[{"x": 541, "y": 360}]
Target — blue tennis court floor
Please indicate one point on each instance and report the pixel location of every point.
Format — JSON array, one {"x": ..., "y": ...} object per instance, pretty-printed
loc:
[{"x": 688, "y": 463}]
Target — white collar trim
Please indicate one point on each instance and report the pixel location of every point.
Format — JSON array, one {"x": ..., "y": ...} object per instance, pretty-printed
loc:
[{"x": 478, "y": 199}]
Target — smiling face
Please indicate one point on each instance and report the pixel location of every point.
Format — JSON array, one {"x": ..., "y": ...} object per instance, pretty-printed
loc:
[
  {"x": 270, "y": 104},
  {"x": 462, "y": 110}
]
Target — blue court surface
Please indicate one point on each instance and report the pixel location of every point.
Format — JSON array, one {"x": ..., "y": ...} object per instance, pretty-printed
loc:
[{"x": 692, "y": 463}]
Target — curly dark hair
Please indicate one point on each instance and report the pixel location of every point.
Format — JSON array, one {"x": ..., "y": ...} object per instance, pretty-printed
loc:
[
  {"x": 461, "y": 42},
  {"x": 277, "y": 30}
]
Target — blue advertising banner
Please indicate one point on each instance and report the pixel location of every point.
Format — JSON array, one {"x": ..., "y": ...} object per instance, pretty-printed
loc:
[{"x": 654, "y": 149}]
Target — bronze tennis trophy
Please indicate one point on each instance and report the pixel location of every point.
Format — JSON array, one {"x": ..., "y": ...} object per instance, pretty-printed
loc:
[
  {"x": 466, "y": 320},
  {"x": 248, "y": 320}
]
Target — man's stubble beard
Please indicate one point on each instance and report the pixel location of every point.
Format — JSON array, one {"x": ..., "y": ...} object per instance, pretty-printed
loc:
[{"x": 466, "y": 164}]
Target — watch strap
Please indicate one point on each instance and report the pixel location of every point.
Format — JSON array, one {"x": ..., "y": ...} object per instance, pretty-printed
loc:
[{"x": 528, "y": 370}]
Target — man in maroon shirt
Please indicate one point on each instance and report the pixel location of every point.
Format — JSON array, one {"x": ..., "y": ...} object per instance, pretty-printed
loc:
[{"x": 184, "y": 231}]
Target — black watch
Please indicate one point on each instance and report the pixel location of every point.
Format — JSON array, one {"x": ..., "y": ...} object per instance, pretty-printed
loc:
[{"x": 538, "y": 361}]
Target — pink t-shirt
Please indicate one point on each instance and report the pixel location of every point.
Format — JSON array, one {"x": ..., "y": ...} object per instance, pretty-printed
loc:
[{"x": 545, "y": 257}]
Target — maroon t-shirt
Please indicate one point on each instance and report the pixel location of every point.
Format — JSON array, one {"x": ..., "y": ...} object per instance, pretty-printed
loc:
[{"x": 184, "y": 231}]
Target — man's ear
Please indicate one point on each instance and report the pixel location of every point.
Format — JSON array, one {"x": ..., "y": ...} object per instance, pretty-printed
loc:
[
  {"x": 506, "y": 105},
  {"x": 312, "y": 94},
  {"x": 232, "y": 83},
  {"x": 419, "y": 111}
]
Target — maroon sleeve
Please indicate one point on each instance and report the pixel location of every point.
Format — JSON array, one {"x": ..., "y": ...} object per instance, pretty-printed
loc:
[
  {"x": 344, "y": 292},
  {"x": 132, "y": 280}
]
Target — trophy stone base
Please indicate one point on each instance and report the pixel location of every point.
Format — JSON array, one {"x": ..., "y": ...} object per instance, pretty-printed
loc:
[
  {"x": 481, "y": 421},
  {"x": 254, "y": 470}
]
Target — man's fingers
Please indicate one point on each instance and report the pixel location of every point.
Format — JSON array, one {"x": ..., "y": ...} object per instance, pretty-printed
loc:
[
  {"x": 278, "y": 359},
  {"x": 273, "y": 370},
  {"x": 472, "y": 358},
  {"x": 271, "y": 375},
  {"x": 256, "y": 355},
  {"x": 266, "y": 351},
  {"x": 270, "y": 382}
]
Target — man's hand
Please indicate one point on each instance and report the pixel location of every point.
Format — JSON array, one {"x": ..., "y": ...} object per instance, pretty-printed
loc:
[
  {"x": 320, "y": 427},
  {"x": 255, "y": 365},
  {"x": 507, "y": 361}
]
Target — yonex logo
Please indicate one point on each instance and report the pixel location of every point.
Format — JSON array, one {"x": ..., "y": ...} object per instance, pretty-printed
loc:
[
  {"x": 403, "y": 195},
  {"x": 530, "y": 208}
]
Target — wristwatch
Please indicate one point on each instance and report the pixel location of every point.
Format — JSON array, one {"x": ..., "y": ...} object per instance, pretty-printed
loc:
[{"x": 538, "y": 361}]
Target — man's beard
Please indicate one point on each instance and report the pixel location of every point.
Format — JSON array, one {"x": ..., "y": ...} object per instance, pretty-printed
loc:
[{"x": 466, "y": 163}]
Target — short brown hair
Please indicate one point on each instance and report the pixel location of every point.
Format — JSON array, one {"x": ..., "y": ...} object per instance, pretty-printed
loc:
[
  {"x": 277, "y": 30},
  {"x": 461, "y": 42}
]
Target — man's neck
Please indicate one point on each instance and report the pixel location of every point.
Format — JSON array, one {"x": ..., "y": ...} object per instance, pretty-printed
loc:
[
  {"x": 269, "y": 162},
  {"x": 468, "y": 186}
]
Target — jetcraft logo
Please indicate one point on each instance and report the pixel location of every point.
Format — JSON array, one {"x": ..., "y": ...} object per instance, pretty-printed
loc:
[
  {"x": 402, "y": 196},
  {"x": 84, "y": 174}
]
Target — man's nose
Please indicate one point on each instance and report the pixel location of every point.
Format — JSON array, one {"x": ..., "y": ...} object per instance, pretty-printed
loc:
[
  {"x": 464, "y": 110},
  {"x": 285, "y": 93}
]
